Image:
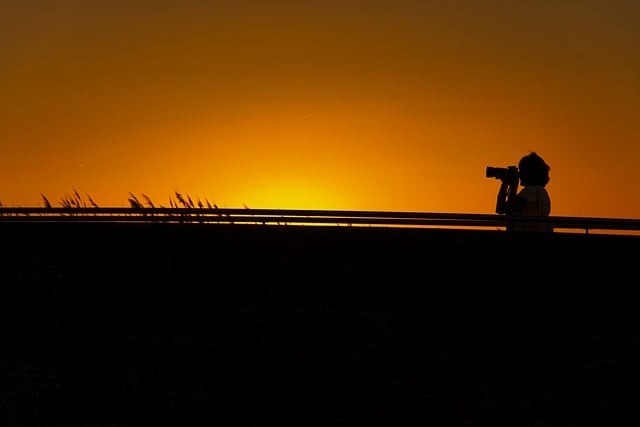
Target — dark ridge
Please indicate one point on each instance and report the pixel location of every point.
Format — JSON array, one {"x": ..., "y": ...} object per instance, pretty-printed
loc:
[{"x": 119, "y": 324}]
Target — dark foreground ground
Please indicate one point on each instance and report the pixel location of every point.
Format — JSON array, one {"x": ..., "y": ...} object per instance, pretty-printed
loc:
[{"x": 119, "y": 324}]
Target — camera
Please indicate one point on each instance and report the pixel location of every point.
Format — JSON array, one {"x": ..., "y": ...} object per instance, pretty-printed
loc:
[{"x": 498, "y": 173}]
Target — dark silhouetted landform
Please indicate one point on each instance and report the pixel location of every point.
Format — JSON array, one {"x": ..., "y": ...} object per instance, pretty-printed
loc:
[{"x": 163, "y": 322}]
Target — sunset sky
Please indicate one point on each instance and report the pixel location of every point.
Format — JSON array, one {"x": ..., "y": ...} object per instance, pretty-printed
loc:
[{"x": 352, "y": 104}]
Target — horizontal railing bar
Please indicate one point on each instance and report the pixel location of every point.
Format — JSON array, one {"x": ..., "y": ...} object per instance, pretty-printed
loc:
[
  {"x": 272, "y": 216},
  {"x": 251, "y": 219},
  {"x": 236, "y": 211},
  {"x": 277, "y": 212}
]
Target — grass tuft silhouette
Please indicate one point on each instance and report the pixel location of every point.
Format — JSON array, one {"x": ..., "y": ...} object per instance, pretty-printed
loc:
[
  {"x": 148, "y": 200},
  {"x": 134, "y": 203},
  {"x": 73, "y": 201},
  {"x": 47, "y": 204}
]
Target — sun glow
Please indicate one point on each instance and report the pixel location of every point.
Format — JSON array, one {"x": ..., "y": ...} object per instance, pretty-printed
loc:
[{"x": 294, "y": 193}]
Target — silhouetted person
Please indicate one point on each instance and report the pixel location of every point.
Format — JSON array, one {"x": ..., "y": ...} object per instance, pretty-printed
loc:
[{"x": 532, "y": 201}]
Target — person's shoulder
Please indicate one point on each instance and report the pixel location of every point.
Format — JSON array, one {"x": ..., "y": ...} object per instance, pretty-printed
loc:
[{"x": 529, "y": 193}]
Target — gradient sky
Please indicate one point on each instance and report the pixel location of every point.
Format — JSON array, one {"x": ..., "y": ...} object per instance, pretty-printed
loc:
[{"x": 352, "y": 104}]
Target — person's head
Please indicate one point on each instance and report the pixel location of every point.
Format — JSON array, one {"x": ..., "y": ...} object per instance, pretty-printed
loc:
[{"x": 533, "y": 170}]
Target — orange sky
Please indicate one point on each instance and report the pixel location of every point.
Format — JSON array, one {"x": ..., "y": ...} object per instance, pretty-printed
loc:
[{"x": 353, "y": 104}]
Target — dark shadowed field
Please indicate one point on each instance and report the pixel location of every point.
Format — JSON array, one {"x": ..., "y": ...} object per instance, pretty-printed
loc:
[{"x": 119, "y": 324}]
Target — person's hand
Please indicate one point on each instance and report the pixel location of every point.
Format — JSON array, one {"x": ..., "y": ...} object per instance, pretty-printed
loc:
[{"x": 509, "y": 179}]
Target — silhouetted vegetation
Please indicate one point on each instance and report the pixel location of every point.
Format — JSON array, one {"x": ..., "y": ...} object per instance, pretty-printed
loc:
[
  {"x": 46, "y": 201},
  {"x": 75, "y": 200},
  {"x": 134, "y": 202},
  {"x": 148, "y": 200}
]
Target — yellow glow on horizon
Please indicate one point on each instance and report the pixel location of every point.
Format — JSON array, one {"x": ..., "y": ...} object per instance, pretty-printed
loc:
[{"x": 293, "y": 193}]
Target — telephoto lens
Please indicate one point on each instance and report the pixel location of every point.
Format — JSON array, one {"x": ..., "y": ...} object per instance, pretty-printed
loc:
[
  {"x": 495, "y": 172},
  {"x": 498, "y": 173}
]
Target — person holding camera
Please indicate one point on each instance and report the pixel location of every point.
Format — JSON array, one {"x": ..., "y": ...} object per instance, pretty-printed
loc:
[{"x": 532, "y": 201}]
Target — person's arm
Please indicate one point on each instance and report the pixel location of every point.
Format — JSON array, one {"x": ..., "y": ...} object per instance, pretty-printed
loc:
[{"x": 508, "y": 200}]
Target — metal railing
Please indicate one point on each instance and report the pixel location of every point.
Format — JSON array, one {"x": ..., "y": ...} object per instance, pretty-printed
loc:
[{"x": 308, "y": 217}]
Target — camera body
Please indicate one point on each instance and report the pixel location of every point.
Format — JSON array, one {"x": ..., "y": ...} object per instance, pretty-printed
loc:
[{"x": 499, "y": 173}]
